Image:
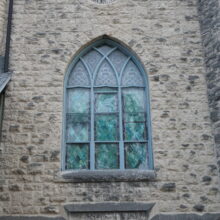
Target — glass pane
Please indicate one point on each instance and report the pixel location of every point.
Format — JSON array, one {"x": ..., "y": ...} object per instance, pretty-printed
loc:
[
  {"x": 136, "y": 156},
  {"x": 78, "y": 100},
  {"x": 135, "y": 131},
  {"x": 106, "y": 156},
  {"x": 118, "y": 59},
  {"x": 104, "y": 49},
  {"x": 106, "y": 128},
  {"x": 133, "y": 100},
  {"x": 134, "y": 117},
  {"x": 92, "y": 59},
  {"x": 77, "y": 156},
  {"x": 77, "y": 127},
  {"x": 79, "y": 76},
  {"x": 106, "y": 103},
  {"x": 132, "y": 76},
  {"x": 105, "y": 75}
]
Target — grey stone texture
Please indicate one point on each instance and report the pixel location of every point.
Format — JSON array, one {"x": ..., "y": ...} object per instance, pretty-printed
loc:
[
  {"x": 209, "y": 14},
  {"x": 165, "y": 35},
  {"x": 109, "y": 207},
  {"x": 109, "y": 176}
]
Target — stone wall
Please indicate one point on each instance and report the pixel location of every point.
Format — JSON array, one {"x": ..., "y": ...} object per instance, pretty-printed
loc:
[
  {"x": 209, "y": 12},
  {"x": 166, "y": 37}
]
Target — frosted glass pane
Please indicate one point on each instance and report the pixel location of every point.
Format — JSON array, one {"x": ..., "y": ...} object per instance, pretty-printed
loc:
[
  {"x": 132, "y": 76},
  {"x": 92, "y": 59},
  {"x": 135, "y": 131},
  {"x": 77, "y": 156},
  {"x": 135, "y": 117},
  {"x": 133, "y": 100},
  {"x": 105, "y": 75},
  {"x": 136, "y": 156},
  {"x": 77, "y": 128},
  {"x": 106, "y": 127},
  {"x": 79, "y": 76},
  {"x": 106, "y": 103},
  {"x": 104, "y": 49},
  {"x": 107, "y": 156},
  {"x": 78, "y": 100},
  {"x": 118, "y": 59}
]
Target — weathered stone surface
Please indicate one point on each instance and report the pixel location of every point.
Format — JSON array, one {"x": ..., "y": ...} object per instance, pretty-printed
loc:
[
  {"x": 209, "y": 15},
  {"x": 165, "y": 35}
]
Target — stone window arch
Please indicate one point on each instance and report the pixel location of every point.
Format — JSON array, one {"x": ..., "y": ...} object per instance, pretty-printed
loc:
[{"x": 106, "y": 122}]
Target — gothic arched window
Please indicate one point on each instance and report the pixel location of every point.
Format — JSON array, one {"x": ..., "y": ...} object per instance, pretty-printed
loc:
[{"x": 106, "y": 112}]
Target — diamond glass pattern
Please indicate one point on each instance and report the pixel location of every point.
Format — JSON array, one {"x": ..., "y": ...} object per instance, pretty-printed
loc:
[
  {"x": 136, "y": 156},
  {"x": 106, "y": 127},
  {"x": 79, "y": 76},
  {"x": 92, "y": 59},
  {"x": 106, "y": 103},
  {"x": 107, "y": 156},
  {"x": 132, "y": 76},
  {"x": 106, "y": 75},
  {"x": 77, "y": 127},
  {"x": 78, "y": 100},
  {"x": 118, "y": 59},
  {"x": 77, "y": 156}
]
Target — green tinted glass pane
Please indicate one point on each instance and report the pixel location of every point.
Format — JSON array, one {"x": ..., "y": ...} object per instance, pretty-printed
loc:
[
  {"x": 77, "y": 156},
  {"x": 106, "y": 103},
  {"x": 134, "y": 117},
  {"x": 136, "y": 156},
  {"x": 135, "y": 131},
  {"x": 77, "y": 127},
  {"x": 133, "y": 100},
  {"x": 106, "y": 128},
  {"x": 106, "y": 156},
  {"x": 78, "y": 100}
]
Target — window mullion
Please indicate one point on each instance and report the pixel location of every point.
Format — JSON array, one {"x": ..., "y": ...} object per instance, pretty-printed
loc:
[
  {"x": 92, "y": 143},
  {"x": 121, "y": 143}
]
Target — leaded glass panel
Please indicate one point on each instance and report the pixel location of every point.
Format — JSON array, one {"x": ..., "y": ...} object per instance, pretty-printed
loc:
[
  {"x": 133, "y": 100},
  {"x": 136, "y": 156},
  {"x": 79, "y": 76},
  {"x": 77, "y": 128},
  {"x": 106, "y": 75},
  {"x": 77, "y": 156},
  {"x": 106, "y": 156},
  {"x": 92, "y": 59},
  {"x": 118, "y": 59},
  {"x": 106, "y": 127},
  {"x": 78, "y": 100},
  {"x": 105, "y": 49},
  {"x": 106, "y": 102},
  {"x": 132, "y": 76}
]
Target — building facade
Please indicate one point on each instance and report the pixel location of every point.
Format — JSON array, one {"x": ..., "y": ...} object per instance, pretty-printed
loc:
[{"x": 177, "y": 44}]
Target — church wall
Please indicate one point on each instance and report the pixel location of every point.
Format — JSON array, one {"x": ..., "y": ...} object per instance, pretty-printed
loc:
[
  {"x": 209, "y": 13},
  {"x": 165, "y": 35}
]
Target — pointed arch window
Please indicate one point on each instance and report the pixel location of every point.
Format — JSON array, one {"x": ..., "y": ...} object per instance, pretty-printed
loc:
[{"x": 106, "y": 112}]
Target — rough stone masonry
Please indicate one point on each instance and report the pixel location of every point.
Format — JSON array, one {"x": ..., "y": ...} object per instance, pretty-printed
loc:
[{"x": 165, "y": 35}]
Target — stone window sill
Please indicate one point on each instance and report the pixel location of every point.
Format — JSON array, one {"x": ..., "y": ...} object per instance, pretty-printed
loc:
[{"x": 106, "y": 176}]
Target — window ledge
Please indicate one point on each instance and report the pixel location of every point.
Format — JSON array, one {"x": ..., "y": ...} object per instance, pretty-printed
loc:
[
  {"x": 109, "y": 207},
  {"x": 107, "y": 176}
]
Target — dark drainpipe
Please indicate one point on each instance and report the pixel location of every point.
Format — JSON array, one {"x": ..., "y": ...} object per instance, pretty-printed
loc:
[
  {"x": 8, "y": 36},
  {"x": 6, "y": 59}
]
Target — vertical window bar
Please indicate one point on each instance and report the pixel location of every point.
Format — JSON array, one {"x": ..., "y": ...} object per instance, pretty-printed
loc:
[
  {"x": 92, "y": 143},
  {"x": 121, "y": 142}
]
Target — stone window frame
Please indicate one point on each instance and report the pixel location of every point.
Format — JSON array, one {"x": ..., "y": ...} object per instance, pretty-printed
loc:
[{"x": 120, "y": 174}]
